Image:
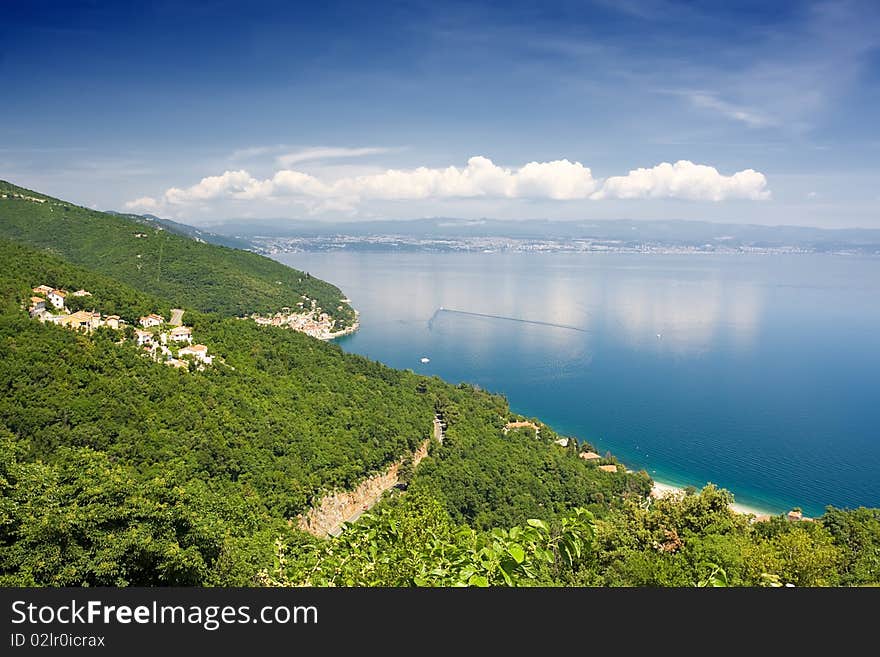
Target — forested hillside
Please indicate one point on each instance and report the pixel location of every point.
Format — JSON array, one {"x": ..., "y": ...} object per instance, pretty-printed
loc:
[
  {"x": 181, "y": 270},
  {"x": 250, "y": 442}
]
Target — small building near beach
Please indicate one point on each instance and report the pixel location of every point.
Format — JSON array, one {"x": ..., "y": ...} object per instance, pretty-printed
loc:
[
  {"x": 589, "y": 456},
  {"x": 522, "y": 425},
  {"x": 608, "y": 468}
]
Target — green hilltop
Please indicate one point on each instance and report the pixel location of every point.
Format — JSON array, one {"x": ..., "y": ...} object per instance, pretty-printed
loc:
[
  {"x": 186, "y": 272},
  {"x": 117, "y": 470}
]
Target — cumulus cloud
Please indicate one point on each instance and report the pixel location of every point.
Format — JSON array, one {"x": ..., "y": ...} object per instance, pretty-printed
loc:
[
  {"x": 481, "y": 177},
  {"x": 230, "y": 183},
  {"x": 685, "y": 180},
  {"x": 560, "y": 180},
  {"x": 143, "y": 203}
]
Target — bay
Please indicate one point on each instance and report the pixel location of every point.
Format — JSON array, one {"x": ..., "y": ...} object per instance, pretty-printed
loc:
[{"x": 757, "y": 373}]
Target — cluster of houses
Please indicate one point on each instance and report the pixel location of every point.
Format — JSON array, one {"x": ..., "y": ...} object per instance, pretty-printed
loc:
[
  {"x": 311, "y": 321},
  {"x": 591, "y": 457},
  {"x": 162, "y": 342},
  {"x": 24, "y": 197},
  {"x": 50, "y": 305}
]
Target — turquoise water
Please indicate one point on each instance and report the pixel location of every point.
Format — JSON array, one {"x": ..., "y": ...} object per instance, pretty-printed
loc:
[{"x": 757, "y": 373}]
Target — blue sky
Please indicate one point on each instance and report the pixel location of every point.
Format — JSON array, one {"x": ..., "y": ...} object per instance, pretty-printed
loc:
[{"x": 646, "y": 109}]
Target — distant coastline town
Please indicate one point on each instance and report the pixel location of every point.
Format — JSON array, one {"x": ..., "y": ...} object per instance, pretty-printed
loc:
[
  {"x": 278, "y": 245},
  {"x": 307, "y": 318}
]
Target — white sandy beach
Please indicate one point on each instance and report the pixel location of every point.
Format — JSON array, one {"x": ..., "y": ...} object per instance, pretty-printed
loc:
[{"x": 661, "y": 489}]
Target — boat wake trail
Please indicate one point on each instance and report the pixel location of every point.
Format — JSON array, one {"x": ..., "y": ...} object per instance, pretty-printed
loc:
[{"x": 441, "y": 310}]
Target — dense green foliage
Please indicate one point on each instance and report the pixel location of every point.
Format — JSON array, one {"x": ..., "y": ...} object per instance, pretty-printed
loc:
[
  {"x": 498, "y": 480},
  {"x": 85, "y": 519},
  {"x": 691, "y": 540},
  {"x": 183, "y": 271},
  {"x": 414, "y": 542}
]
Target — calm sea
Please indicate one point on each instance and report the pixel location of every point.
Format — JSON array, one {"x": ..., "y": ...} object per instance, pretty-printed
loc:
[{"x": 758, "y": 373}]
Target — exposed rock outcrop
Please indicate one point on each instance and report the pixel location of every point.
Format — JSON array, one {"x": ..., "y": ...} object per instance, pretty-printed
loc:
[{"x": 328, "y": 516}]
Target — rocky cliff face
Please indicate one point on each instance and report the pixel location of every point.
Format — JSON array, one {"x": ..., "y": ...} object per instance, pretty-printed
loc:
[{"x": 328, "y": 516}]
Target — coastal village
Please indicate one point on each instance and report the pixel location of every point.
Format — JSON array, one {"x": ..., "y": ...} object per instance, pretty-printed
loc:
[
  {"x": 167, "y": 342},
  {"x": 307, "y": 318}
]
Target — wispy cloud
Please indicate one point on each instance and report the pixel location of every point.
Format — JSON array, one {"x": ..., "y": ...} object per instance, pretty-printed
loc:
[
  {"x": 644, "y": 9},
  {"x": 327, "y": 153},
  {"x": 789, "y": 78},
  {"x": 751, "y": 117},
  {"x": 255, "y": 151}
]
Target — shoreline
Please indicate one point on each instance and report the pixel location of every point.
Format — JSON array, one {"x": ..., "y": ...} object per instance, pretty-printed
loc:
[{"x": 662, "y": 489}]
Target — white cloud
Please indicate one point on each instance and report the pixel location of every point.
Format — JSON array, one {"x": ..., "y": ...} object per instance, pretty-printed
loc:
[
  {"x": 229, "y": 183},
  {"x": 686, "y": 180},
  {"x": 560, "y": 180},
  {"x": 481, "y": 177},
  {"x": 326, "y": 153},
  {"x": 143, "y": 203}
]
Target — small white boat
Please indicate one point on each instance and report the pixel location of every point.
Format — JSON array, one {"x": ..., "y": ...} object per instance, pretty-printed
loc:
[{"x": 425, "y": 359}]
